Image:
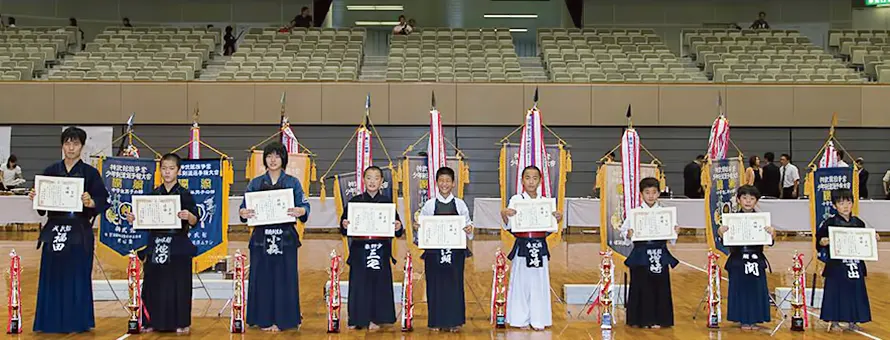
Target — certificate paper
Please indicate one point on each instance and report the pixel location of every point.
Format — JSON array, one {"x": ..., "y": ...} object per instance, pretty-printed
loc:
[
  {"x": 442, "y": 232},
  {"x": 371, "y": 219},
  {"x": 747, "y": 229},
  {"x": 156, "y": 212},
  {"x": 534, "y": 215},
  {"x": 853, "y": 244},
  {"x": 653, "y": 224},
  {"x": 58, "y": 193},
  {"x": 270, "y": 206}
]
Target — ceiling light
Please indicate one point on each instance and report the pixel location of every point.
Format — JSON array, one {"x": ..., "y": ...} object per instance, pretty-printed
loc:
[
  {"x": 519, "y": 30},
  {"x": 374, "y": 7},
  {"x": 510, "y": 16}
]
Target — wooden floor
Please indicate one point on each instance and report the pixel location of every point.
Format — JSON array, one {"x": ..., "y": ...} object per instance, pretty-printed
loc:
[{"x": 575, "y": 260}]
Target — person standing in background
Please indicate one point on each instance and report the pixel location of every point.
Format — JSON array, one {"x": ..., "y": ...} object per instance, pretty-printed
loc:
[
  {"x": 769, "y": 183},
  {"x": 754, "y": 173},
  {"x": 790, "y": 177},
  {"x": 304, "y": 19},
  {"x": 863, "y": 178},
  {"x": 230, "y": 40},
  {"x": 11, "y": 22},
  {"x": 692, "y": 178},
  {"x": 12, "y": 173},
  {"x": 840, "y": 159},
  {"x": 760, "y": 23},
  {"x": 126, "y": 22},
  {"x": 402, "y": 28}
]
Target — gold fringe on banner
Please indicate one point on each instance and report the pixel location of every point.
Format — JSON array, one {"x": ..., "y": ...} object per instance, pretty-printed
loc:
[
  {"x": 604, "y": 213},
  {"x": 810, "y": 190},
  {"x": 564, "y": 169},
  {"x": 507, "y": 239},
  {"x": 338, "y": 202},
  {"x": 408, "y": 215}
]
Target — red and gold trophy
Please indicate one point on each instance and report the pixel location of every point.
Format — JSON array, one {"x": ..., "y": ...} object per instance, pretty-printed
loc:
[
  {"x": 239, "y": 297},
  {"x": 499, "y": 291},
  {"x": 333, "y": 293},
  {"x": 714, "y": 278},
  {"x": 605, "y": 298},
  {"x": 408, "y": 296},
  {"x": 799, "y": 318},
  {"x": 134, "y": 287},
  {"x": 14, "y": 299}
]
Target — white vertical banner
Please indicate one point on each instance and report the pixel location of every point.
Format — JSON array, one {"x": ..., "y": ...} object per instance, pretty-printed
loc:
[
  {"x": 5, "y": 143},
  {"x": 98, "y": 143}
]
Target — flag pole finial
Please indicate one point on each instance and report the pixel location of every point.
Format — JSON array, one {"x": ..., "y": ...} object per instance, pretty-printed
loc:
[
  {"x": 535, "y": 98},
  {"x": 833, "y": 125},
  {"x": 433, "y": 101},
  {"x": 628, "y": 115}
]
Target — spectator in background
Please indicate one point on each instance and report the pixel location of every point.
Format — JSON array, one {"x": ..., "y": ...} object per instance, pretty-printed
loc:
[
  {"x": 83, "y": 42},
  {"x": 304, "y": 19},
  {"x": 11, "y": 22},
  {"x": 863, "y": 178},
  {"x": 126, "y": 22},
  {"x": 692, "y": 178},
  {"x": 230, "y": 40},
  {"x": 790, "y": 177},
  {"x": 287, "y": 28},
  {"x": 402, "y": 28},
  {"x": 769, "y": 182},
  {"x": 12, "y": 173},
  {"x": 754, "y": 173},
  {"x": 840, "y": 159},
  {"x": 209, "y": 26},
  {"x": 760, "y": 23},
  {"x": 886, "y": 181},
  {"x": 412, "y": 24}
]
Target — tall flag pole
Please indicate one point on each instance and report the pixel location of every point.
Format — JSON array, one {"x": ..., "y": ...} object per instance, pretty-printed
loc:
[
  {"x": 195, "y": 139},
  {"x": 630, "y": 167},
  {"x": 435, "y": 149},
  {"x": 829, "y": 157},
  {"x": 718, "y": 142},
  {"x": 363, "y": 147},
  {"x": 532, "y": 151},
  {"x": 126, "y": 148},
  {"x": 288, "y": 138}
]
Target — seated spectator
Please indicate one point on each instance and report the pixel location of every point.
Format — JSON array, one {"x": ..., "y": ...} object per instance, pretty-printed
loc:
[
  {"x": 304, "y": 19},
  {"x": 209, "y": 26},
  {"x": 402, "y": 28},
  {"x": 230, "y": 40},
  {"x": 760, "y": 23},
  {"x": 126, "y": 22},
  {"x": 412, "y": 24},
  {"x": 287, "y": 28},
  {"x": 11, "y": 22},
  {"x": 12, "y": 173}
]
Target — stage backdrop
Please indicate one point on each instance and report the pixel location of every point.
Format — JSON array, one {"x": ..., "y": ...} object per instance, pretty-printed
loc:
[
  {"x": 208, "y": 180},
  {"x": 819, "y": 185},
  {"x": 611, "y": 212},
  {"x": 345, "y": 188},
  {"x": 124, "y": 177},
  {"x": 98, "y": 143},
  {"x": 414, "y": 171},
  {"x": 299, "y": 165},
  {"x": 721, "y": 179}
]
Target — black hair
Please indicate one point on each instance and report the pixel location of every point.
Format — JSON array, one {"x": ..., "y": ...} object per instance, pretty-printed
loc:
[
  {"x": 532, "y": 167},
  {"x": 210, "y": 26},
  {"x": 700, "y": 157},
  {"x": 11, "y": 20},
  {"x": 303, "y": 9},
  {"x": 174, "y": 158},
  {"x": 841, "y": 195},
  {"x": 73, "y": 133},
  {"x": 402, "y": 17},
  {"x": 761, "y": 13},
  {"x": 126, "y": 19},
  {"x": 840, "y": 154},
  {"x": 228, "y": 29},
  {"x": 787, "y": 156},
  {"x": 748, "y": 190},
  {"x": 611, "y": 154},
  {"x": 649, "y": 182},
  {"x": 860, "y": 161},
  {"x": 275, "y": 148},
  {"x": 445, "y": 171},
  {"x": 11, "y": 159},
  {"x": 372, "y": 168},
  {"x": 752, "y": 161},
  {"x": 72, "y": 21},
  {"x": 770, "y": 157}
]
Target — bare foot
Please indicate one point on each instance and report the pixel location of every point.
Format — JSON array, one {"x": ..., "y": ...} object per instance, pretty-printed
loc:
[
  {"x": 455, "y": 329},
  {"x": 373, "y": 327},
  {"x": 352, "y": 327},
  {"x": 655, "y": 326},
  {"x": 539, "y": 329},
  {"x": 273, "y": 329},
  {"x": 525, "y": 328},
  {"x": 184, "y": 330},
  {"x": 148, "y": 330},
  {"x": 435, "y": 329}
]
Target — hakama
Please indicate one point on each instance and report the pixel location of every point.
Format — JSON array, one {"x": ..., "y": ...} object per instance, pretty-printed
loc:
[
  {"x": 845, "y": 298},
  {"x": 445, "y": 270},
  {"x": 650, "y": 302},
  {"x": 749, "y": 296}
]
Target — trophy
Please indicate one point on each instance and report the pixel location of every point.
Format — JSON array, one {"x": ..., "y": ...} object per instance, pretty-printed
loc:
[
  {"x": 713, "y": 290},
  {"x": 333, "y": 294},
  {"x": 407, "y": 296},
  {"x": 238, "y": 295},
  {"x": 14, "y": 326},
  {"x": 798, "y": 292},
  {"x": 499, "y": 291},
  {"x": 605, "y": 298},
  {"x": 134, "y": 303}
]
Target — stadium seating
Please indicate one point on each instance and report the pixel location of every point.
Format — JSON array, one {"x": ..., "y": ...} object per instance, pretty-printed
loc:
[
  {"x": 612, "y": 55},
  {"x": 866, "y": 49},
  {"x": 142, "y": 53},
  {"x": 764, "y": 56},
  {"x": 26, "y": 51},
  {"x": 301, "y": 55},
  {"x": 460, "y": 55}
]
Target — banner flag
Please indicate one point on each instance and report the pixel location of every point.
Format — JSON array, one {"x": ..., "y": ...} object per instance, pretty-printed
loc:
[
  {"x": 209, "y": 181},
  {"x": 723, "y": 179},
  {"x": 124, "y": 177},
  {"x": 612, "y": 207}
]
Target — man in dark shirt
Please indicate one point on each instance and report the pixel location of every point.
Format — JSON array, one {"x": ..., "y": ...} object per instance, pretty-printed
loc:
[
  {"x": 769, "y": 184},
  {"x": 304, "y": 19},
  {"x": 126, "y": 22},
  {"x": 863, "y": 178},
  {"x": 760, "y": 23},
  {"x": 692, "y": 178}
]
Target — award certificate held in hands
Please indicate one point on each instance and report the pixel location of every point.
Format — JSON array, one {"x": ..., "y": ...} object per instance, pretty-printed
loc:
[
  {"x": 62, "y": 194},
  {"x": 747, "y": 229},
  {"x": 371, "y": 219},
  {"x": 653, "y": 224},
  {"x": 270, "y": 206},
  {"x": 442, "y": 232},
  {"x": 852, "y": 244},
  {"x": 156, "y": 212},
  {"x": 534, "y": 215}
]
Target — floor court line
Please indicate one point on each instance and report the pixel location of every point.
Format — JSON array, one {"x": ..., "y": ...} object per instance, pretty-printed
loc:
[{"x": 690, "y": 265}]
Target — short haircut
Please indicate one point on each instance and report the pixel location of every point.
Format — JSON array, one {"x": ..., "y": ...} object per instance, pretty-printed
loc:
[
  {"x": 445, "y": 171},
  {"x": 173, "y": 158},
  {"x": 700, "y": 157},
  {"x": 303, "y": 9},
  {"x": 840, "y": 154},
  {"x": 649, "y": 182},
  {"x": 748, "y": 190},
  {"x": 762, "y": 13},
  {"x": 841, "y": 195},
  {"x": 752, "y": 161},
  {"x": 275, "y": 148},
  {"x": 73, "y": 133},
  {"x": 372, "y": 168},
  {"x": 401, "y": 17},
  {"x": 787, "y": 156},
  {"x": 532, "y": 167},
  {"x": 770, "y": 157}
]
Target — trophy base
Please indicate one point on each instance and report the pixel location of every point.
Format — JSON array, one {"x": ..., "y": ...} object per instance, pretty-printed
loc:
[
  {"x": 238, "y": 326},
  {"x": 712, "y": 322},
  {"x": 133, "y": 327},
  {"x": 606, "y": 321},
  {"x": 335, "y": 327},
  {"x": 407, "y": 329},
  {"x": 500, "y": 322},
  {"x": 14, "y": 327},
  {"x": 797, "y": 324}
]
